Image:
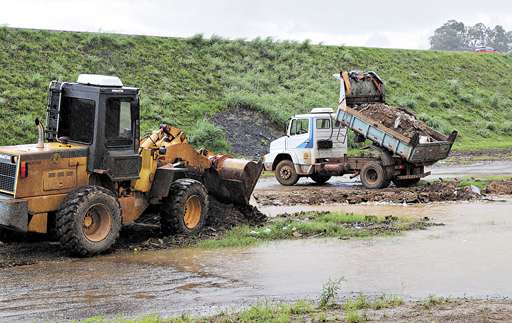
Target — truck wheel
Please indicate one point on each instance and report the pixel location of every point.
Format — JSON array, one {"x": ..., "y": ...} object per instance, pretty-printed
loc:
[
  {"x": 405, "y": 182},
  {"x": 374, "y": 176},
  {"x": 320, "y": 179},
  {"x": 185, "y": 209},
  {"x": 89, "y": 221},
  {"x": 286, "y": 174}
]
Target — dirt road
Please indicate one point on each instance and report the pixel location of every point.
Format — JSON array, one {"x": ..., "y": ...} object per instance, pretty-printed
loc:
[{"x": 468, "y": 256}]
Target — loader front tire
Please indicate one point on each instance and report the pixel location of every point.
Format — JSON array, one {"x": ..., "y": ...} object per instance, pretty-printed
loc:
[
  {"x": 89, "y": 221},
  {"x": 285, "y": 173},
  {"x": 185, "y": 209}
]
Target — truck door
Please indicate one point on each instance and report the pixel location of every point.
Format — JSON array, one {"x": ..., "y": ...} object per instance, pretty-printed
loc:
[
  {"x": 300, "y": 139},
  {"x": 330, "y": 138}
]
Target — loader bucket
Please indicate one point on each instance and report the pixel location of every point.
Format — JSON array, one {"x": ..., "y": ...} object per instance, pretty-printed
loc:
[{"x": 232, "y": 180}]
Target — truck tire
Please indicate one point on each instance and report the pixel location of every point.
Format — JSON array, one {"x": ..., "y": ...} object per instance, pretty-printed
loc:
[
  {"x": 285, "y": 173},
  {"x": 405, "y": 182},
  {"x": 373, "y": 176},
  {"x": 89, "y": 221},
  {"x": 320, "y": 179},
  {"x": 185, "y": 209}
]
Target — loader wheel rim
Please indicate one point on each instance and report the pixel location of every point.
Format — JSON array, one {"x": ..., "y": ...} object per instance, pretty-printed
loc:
[
  {"x": 97, "y": 223},
  {"x": 193, "y": 210},
  {"x": 285, "y": 172}
]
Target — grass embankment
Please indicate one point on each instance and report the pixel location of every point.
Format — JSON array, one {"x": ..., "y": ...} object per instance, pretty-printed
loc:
[
  {"x": 314, "y": 224},
  {"x": 182, "y": 80}
]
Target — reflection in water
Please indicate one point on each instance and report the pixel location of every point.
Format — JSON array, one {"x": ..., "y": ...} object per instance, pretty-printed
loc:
[{"x": 470, "y": 256}]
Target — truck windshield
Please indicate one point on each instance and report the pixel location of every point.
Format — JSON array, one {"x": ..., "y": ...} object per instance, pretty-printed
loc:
[
  {"x": 76, "y": 119},
  {"x": 299, "y": 126},
  {"x": 118, "y": 122}
]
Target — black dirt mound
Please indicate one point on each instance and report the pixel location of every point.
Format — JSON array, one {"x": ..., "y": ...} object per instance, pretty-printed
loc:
[
  {"x": 396, "y": 118},
  {"x": 145, "y": 234},
  {"x": 249, "y": 132}
]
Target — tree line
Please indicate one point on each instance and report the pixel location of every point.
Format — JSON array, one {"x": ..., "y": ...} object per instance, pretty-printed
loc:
[{"x": 454, "y": 35}]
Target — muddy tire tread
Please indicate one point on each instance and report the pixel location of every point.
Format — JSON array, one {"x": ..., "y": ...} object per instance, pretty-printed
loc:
[
  {"x": 65, "y": 217},
  {"x": 172, "y": 208},
  {"x": 294, "y": 177}
]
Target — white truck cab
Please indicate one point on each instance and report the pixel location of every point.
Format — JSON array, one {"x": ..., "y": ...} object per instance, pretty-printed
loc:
[{"x": 310, "y": 139}]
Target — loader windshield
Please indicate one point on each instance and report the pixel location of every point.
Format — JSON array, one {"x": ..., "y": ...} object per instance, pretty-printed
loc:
[{"x": 76, "y": 119}]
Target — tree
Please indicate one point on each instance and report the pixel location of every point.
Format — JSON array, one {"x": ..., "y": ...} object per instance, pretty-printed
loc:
[
  {"x": 450, "y": 36},
  {"x": 500, "y": 39},
  {"x": 454, "y": 35}
]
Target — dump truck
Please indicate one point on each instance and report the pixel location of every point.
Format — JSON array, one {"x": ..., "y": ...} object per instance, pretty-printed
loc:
[
  {"x": 91, "y": 172},
  {"x": 315, "y": 144}
]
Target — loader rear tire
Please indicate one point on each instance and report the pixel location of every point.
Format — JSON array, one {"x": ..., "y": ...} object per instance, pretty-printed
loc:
[
  {"x": 89, "y": 221},
  {"x": 320, "y": 179},
  {"x": 373, "y": 176},
  {"x": 185, "y": 209},
  {"x": 286, "y": 174}
]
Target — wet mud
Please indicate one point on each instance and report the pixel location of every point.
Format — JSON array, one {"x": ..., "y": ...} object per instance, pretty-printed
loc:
[
  {"x": 439, "y": 191},
  {"x": 144, "y": 235},
  {"x": 203, "y": 282}
]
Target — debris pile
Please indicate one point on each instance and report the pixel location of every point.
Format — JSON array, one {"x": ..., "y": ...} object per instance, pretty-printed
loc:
[
  {"x": 144, "y": 235},
  {"x": 396, "y": 118},
  {"x": 499, "y": 187},
  {"x": 431, "y": 192}
]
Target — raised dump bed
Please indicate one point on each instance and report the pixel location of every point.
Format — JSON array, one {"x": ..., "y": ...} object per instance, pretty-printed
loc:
[
  {"x": 416, "y": 147},
  {"x": 395, "y": 129}
]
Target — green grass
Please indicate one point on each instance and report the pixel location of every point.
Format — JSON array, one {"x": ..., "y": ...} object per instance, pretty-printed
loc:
[
  {"x": 184, "y": 80},
  {"x": 313, "y": 224},
  {"x": 299, "y": 311}
]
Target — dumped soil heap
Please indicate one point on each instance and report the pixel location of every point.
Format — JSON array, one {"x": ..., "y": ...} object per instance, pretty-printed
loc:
[
  {"x": 248, "y": 132},
  {"x": 431, "y": 192},
  {"x": 396, "y": 118}
]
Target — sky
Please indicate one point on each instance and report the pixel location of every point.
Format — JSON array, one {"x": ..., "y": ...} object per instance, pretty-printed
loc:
[{"x": 373, "y": 23}]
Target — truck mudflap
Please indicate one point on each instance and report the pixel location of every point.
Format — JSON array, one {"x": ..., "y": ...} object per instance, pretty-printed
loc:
[{"x": 13, "y": 213}]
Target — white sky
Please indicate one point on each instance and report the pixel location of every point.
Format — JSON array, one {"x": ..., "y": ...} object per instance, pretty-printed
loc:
[{"x": 375, "y": 23}]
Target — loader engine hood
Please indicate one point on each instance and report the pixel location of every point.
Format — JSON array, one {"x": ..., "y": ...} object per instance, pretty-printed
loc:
[{"x": 23, "y": 166}]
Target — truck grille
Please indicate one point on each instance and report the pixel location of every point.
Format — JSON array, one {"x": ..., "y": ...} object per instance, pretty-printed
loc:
[{"x": 7, "y": 176}]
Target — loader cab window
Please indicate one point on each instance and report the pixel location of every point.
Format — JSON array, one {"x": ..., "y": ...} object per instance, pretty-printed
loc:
[
  {"x": 76, "y": 119},
  {"x": 118, "y": 123},
  {"x": 299, "y": 127}
]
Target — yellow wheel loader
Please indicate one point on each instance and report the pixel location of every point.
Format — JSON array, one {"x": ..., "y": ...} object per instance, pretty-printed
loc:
[{"x": 94, "y": 173}]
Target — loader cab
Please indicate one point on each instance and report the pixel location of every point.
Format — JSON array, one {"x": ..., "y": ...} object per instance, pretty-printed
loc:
[{"x": 101, "y": 114}]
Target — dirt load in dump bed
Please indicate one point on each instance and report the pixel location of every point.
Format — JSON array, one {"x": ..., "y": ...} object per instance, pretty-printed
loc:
[{"x": 396, "y": 118}]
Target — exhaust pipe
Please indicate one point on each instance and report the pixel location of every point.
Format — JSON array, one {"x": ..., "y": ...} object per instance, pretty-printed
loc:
[{"x": 40, "y": 134}]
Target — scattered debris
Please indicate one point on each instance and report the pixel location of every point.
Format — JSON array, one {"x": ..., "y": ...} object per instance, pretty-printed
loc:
[
  {"x": 431, "y": 192},
  {"x": 499, "y": 187}
]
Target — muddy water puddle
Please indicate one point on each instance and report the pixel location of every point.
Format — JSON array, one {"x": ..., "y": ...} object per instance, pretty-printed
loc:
[{"x": 469, "y": 256}]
